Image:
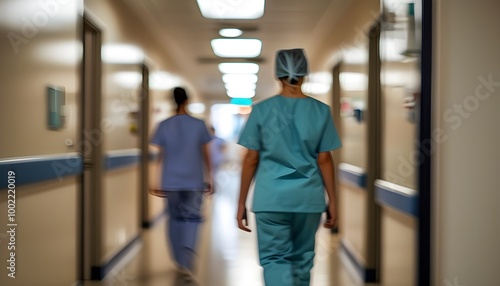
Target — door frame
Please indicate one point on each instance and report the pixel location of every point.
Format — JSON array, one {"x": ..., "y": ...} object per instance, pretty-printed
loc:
[{"x": 91, "y": 138}]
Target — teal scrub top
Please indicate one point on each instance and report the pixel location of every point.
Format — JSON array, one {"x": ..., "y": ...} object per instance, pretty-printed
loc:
[{"x": 289, "y": 133}]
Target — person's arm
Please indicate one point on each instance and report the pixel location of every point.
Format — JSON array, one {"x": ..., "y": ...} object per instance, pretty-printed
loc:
[
  {"x": 250, "y": 163},
  {"x": 155, "y": 184},
  {"x": 208, "y": 164},
  {"x": 325, "y": 163}
]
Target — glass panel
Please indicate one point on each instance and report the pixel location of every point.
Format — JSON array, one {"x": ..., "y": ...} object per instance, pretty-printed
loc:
[
  {"x": 400, "y": 79},
  {"x": 353, "y": 104}
]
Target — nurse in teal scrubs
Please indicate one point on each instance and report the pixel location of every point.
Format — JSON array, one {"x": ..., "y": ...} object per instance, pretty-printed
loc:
[{"x": 289, "y": 137}]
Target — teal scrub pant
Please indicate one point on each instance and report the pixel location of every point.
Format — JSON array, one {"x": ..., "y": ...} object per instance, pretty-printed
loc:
[{"x": 286, "y": 246}]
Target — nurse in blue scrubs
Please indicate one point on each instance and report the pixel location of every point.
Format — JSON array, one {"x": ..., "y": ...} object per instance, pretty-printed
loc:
[
  {"x": 183, "y": 141},
  {"x": 289, "y": 137}
]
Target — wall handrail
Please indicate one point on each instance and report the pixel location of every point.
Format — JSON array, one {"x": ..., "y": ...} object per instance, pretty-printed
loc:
[
  {"x": 397, "y": 197},
  {"x": 353, "y": 175},
  {"x": 34, "y": 169}
]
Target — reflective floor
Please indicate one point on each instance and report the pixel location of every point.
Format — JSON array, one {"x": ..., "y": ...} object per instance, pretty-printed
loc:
[{"x": 227, "y": 256}]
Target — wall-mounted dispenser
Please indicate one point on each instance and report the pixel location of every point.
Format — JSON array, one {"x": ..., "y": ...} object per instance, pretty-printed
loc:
[{"x": 55, "y": 102}]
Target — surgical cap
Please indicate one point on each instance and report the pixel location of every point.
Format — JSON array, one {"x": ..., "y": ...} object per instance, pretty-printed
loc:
[{"x": 291, "y": 64}]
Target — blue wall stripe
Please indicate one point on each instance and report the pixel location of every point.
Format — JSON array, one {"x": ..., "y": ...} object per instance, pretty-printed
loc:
[
  {"x": 30, "y": 170},
  {"x": 367, "y": 274},
  {"x": 120, "y": 161},
  {"x": 389, "y": 194},
  {"x": 352, "y": 175}
]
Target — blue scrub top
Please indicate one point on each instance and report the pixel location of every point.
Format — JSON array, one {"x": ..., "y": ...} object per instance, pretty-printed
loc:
[
  {"x": 289, "y": 133},
  {"x": 182, "y": 138}
]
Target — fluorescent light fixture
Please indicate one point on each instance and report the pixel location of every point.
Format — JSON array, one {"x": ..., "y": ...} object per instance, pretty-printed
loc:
[
  {"x": 237, "y": 48},
  {"x": 241, "y": 101},
  {"x": 163, "y": 80},
  {"x": 128, "y": 79},
  {"x": 121, "y": 54},
  {"x": 231, "y": 9},
  {"x": 230, "y": 32},
  {"x": 241, "y": 93},
  {"x": 239, "y": 78},
  {"x": 197, "y": 108},
  {"x": 238, "y": 68},
  {"x": 351, "y": 81},
  {"x": 240, "y": 86}
]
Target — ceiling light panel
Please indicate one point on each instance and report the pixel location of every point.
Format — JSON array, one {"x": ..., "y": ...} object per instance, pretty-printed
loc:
[
  {"x": 237, "y": 48},
  {"x": 230, "y": 32},
  {"x": 241, "y": 93},
  {"x": 238, "y": 68},
  {"x": 239, "y": 78},
  {"x": 231, "y": 9}
]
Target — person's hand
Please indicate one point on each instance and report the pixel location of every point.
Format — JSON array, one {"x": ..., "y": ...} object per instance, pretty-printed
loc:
[
  {"x": 242, "y": 216},
  {"x": 331, "y": 216},
  {"x": 209, "y": 189}
]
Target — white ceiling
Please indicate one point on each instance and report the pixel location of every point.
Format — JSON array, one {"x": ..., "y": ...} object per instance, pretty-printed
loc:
[{"x": 186, "y": 35}]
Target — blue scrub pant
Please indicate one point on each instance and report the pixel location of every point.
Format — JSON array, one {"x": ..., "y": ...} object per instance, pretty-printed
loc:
[
  {"x": 286, "y": 246},
  {"x": 184, "y": 209}
]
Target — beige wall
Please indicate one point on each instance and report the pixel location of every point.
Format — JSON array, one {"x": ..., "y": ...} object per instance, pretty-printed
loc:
[
  {"x": 46, "y": 52},
  {"x": 40, "y": 47},
  {"x": 398, "y": 248},
  {"x": 353, "y": 220},
  {"x": 46, "y": 234},
  {"x": 329, "y": 38},
  {"x": 467, "y": 162},
  {"x": 121, "y": 210}
]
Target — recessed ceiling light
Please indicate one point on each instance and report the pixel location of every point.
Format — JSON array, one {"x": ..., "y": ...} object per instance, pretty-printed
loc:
[
  {"x": 237, "y": 48},
  {"x": 241, "y": 93},
  {"x": 239, "y": 78},
  {"x": 238, "y": 68},
  {"x": 230, "y": 32},
  {"x": 231, "y": 9}
]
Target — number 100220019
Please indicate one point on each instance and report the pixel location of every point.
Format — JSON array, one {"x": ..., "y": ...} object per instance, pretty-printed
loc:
[{"x": 11, "y": 181}]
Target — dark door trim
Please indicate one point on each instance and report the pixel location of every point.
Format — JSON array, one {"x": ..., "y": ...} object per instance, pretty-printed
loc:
[{"x": 424, "y": 182}]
